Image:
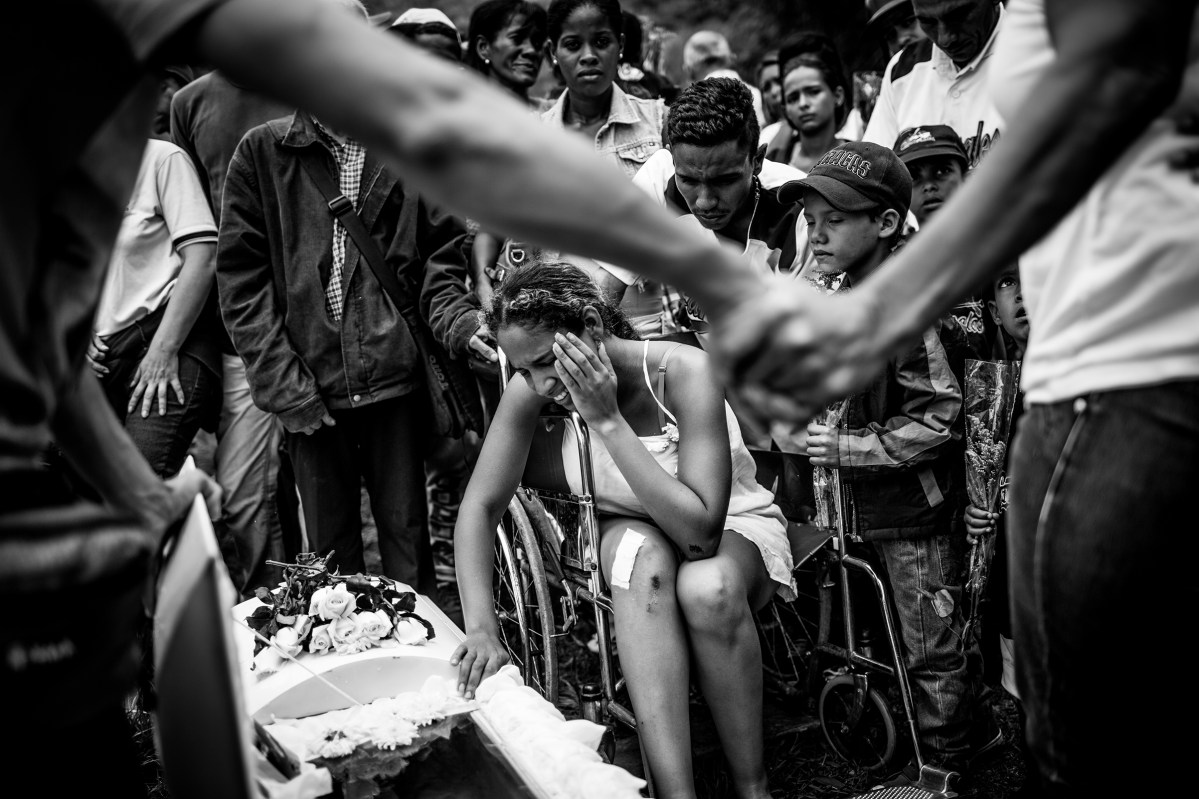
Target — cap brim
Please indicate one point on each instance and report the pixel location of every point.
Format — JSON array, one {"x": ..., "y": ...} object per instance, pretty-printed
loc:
[
  {"x": 840, "y": 196},
  {"x": 884, "y": 15},
  {"x": 933, "y": 150}
]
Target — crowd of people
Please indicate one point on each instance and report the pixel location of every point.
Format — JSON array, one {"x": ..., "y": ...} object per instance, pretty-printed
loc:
[{"x": 261, "y": 222}]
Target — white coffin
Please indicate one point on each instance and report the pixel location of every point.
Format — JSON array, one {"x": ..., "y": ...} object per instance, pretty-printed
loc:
[{"x": 293, "y": 692}]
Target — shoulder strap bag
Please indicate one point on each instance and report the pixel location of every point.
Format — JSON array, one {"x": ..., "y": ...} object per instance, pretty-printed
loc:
[{"x": 453, "y": 391}]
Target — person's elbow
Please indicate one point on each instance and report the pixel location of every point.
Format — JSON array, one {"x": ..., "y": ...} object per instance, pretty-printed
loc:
[{"x": 704, "y": 541}]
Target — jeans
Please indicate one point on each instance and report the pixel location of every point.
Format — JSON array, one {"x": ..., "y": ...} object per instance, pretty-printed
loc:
[
  {"x": 247, "y": 465},
  {"x": 380, "y": 444},
  {"x": 162, "y": 440},
  {"x": 1102, "y": 554},
  {"x": 944, "y": 688}
]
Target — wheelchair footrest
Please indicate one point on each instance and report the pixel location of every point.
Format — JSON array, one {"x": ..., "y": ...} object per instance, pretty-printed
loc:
[{"x": 934, "y": 784}]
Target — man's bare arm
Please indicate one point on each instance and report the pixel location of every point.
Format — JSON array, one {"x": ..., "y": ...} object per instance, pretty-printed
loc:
[
  {"x": 1119, "y": 64},
  {"x": 460, "y": 141}
]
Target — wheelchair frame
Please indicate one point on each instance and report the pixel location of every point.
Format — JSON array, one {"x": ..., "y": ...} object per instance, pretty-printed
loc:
[{"x": 541, "y": 556}]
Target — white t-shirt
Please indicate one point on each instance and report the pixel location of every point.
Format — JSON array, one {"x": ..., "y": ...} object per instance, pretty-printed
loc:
[
  {"x": 1112, "y": 293},
  {"x": 922, "y": 86},
  {"x": 167, "y": 212}
]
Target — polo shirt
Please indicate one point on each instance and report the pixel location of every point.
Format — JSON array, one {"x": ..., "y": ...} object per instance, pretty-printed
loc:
[
  {"x": 166, "y": 213},
  {"x": 922, "y": 86}
]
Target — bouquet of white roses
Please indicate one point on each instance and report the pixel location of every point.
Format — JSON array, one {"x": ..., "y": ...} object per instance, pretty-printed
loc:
[{"x": 317, "y": 611}]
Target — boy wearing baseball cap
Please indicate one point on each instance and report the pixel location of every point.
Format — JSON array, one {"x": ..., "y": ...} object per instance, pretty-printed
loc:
[
  {"x": 936, "y": 157},
  {"x": 893, "y": 450}
]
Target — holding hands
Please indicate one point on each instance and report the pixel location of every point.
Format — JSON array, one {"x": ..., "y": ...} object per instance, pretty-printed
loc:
[
  {"x": 789, "y": 350},
  {"x": 589, "y": 377}
]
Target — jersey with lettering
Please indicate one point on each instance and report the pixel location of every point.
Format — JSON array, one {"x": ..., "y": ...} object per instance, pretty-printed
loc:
[{"x": 922, "y": 86}]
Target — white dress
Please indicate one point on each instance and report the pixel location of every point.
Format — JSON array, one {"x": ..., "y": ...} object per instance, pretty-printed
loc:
[{"x": 752, "y": 513}]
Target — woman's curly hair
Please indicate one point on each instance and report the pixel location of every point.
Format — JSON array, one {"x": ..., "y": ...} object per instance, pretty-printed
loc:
[{"x": 552, "y": 295}]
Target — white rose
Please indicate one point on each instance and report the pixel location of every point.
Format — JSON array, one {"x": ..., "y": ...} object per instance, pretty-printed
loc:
[
  {"x": 320, "y": 641},
  {"x": 344, "y": 630},
  {"x": 410, "y": 631},
  {"x": 303, "y": 625},
  {"x": 267, "y": 660},
  {"x": 318, "y": 598},
  {"x": 287, "y": 640},
  {"x": 337, "y": 603},
  {"x": 373, "y": 624},
  {"x": 353, "y": 646}
]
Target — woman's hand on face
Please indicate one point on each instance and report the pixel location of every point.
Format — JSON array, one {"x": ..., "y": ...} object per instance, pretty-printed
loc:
[
  {"x": 477, "y": 658},
  {"x": 589, "y": 377}
]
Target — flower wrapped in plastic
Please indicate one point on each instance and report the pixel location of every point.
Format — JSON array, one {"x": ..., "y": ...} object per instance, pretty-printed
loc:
[
  {"x": 826, "y": 482},
  {"x": 990, "y": 397},
  {"x": 990, "y": 394}
]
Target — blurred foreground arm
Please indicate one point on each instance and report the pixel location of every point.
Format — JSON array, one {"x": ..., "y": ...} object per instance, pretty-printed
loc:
[
  {"x": 461, "y": 142},
  {"x": 1118, "y": 66},
  {"x": 93, "y": 439}
]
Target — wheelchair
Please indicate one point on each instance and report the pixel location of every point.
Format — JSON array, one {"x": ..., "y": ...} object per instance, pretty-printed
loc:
[
  {"x": 548, "y": 581},
  {"x": 866, "y": 710},
  {"x": 547, "y": 573}
]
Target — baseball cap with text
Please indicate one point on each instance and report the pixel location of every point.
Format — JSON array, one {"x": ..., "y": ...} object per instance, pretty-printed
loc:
[
  {"x": 856, "y": 176},
  {"x": 924, "y": 141}
]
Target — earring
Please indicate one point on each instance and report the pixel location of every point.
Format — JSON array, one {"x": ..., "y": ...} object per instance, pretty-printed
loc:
[{"x": 487, "y": 61}]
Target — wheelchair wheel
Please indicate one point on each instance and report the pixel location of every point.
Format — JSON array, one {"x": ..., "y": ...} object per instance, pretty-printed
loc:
[
  {"x": 788, "y": 633},
  {"x": 523, "y": 604},
  {"x": 865, "y": 737}
]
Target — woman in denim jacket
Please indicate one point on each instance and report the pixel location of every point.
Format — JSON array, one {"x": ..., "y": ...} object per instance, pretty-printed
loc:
[{"x": 585, "y": 43}]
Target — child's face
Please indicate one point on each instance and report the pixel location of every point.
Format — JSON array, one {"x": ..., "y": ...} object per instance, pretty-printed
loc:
[
  {"x": 842, "y": 241},
  {"x": 934, "y": 180},
  {"x": 1007, "y": 309}
]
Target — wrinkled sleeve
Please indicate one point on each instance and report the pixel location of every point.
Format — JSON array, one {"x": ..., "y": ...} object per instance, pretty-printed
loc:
[
  {"x": 184, "y": 206},
  {"x": 280, "y": 381},
  {"x": 930, "y": 402},
  {"x": 448, "y": 307}
]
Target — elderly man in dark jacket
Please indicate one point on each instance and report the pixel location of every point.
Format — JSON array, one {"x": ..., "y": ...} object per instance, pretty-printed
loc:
[{"x": 325, "y": 347}]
